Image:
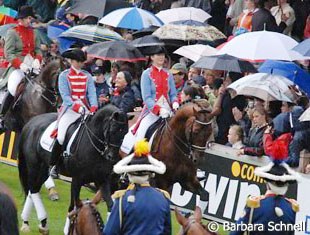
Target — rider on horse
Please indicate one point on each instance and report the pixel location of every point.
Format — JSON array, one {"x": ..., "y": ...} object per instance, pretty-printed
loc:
[
  {"x": 22, "y": 50},
  {"x": 78, "y": 92},
  {"x": 158, "y": 94},
  {"x": 140, "y": 209}
]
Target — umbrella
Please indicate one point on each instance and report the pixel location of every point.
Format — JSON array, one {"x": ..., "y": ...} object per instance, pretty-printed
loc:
[
  {"x": 189, "y": 22},
  {"x": 289, "y": 70},
  {"x": 303, "y": 48},
  {"x": 183, "y": 13},
  {"x": 54, "y": 30},
  {"x": 146, "y": 41},
  {"x": 144, "y": 32},
  {"x": 96, "y": 8},
  {"x": 262, "y": 45},
  {"x": 265, "y": 86},
  {"x": 224, "y": 62},
  {"x": 91, "y": 33},
  {"x": 188, "y": 33},
  {"x": 5, "y": 28},
  {"x": 305, "y": 116},
  {"x": 131, "y": 18},
  {"x": 116, "y": 50},
  {"x": 195, "y": 52},
  {"x": 8, "y": 11}
]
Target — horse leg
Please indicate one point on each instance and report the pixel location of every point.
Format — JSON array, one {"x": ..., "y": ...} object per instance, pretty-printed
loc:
[
  {"x": 26, "y": 214},
  {"x": 75, "y": 196},
  {"x": 106, "y": 195}
]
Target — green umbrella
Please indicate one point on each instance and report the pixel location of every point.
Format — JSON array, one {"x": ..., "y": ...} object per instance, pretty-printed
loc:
[{"x": 8, "y": 11}]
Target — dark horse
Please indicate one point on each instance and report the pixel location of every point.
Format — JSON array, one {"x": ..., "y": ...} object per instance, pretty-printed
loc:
[
  {"x": 95, "y": 152},
  {"x": 180, "y": 144},
  {"x": 86, "y": 219},
  {"x": 37, "y": 96},
  {"x": 8, "y": 213},
  {"x": 192, "y": 225}
]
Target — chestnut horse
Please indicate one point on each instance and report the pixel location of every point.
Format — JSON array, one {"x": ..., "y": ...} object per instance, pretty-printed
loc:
[
  {"x": 86, "y": 219},
  {"x": 180, "y": 143},
  {"x": 192, "y": 225},
  {"x": 8, "y": 212}
]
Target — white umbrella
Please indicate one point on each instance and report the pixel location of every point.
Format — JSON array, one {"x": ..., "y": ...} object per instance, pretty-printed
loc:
[
  {"x": 183, "y": 13},
  {"x": 262, "y": 45},
  {"x": 305, "y": 115},
  {"x": 131, "y": 18},
  {"x": 265, "y": 86},
  {"x": 195, "y": 52}
]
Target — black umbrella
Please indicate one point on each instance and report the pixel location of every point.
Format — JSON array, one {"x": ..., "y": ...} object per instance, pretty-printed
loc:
[
  {"x": 116, "y": 50},
  {"x": 225, "y": 62},
  {"x": 146, "y": 41},
  {"x": 144, "y": 32},
  {"x": 96, "y": 8}
]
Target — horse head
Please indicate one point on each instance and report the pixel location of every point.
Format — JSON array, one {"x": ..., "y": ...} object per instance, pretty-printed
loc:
[
  {"x": 114, "y": 124},
  {"x": 197, "y": 128},
  {"x": 85, "y": 218},
  {"x": 50, "y": 73},
  {"x": 192, "y": 225}
]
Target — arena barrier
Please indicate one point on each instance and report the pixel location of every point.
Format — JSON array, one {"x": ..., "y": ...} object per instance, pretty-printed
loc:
[
  {"x": 229, "y": 179},
  {"x": 9, "y": 147}
]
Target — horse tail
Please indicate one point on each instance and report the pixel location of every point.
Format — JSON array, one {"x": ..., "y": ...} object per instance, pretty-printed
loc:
[
  {"x": 8, "y": 216},
  {"x": 22, "y": 168}
]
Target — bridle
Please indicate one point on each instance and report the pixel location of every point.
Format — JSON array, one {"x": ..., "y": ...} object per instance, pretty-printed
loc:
[
  {"x": 104, "y": 144},
  {"x": 74, "y": 216},
  {"x": 190, "y": 147}
]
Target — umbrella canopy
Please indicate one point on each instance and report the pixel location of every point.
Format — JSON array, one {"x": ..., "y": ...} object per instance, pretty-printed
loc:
[
  {"x": 289, "y": 70},
  {"x": 96, "y": 8},
  {"x": 188, "y": 33},
  {"x": 305, "y": 116},
  {"x": 5, "y": 28},
  {"x": 131, "y": 18},
  {"x": 224, "y": 62},
  {"x": 146, "y": 41},
  {"x": 54, "y": 30},
  {"x": 117, "y": 50},
  {"x": 8, "y": 11},
  {"x": 303, "y": 48},
  {"x": 265, "y": 86},
  {"x": 262, "y": 45},
  {"x": 195, "y": 52},
  {"x": 92, "y": 33},
  {"x": 183, "y": 13},
  {"x": 189, "y": 22}
]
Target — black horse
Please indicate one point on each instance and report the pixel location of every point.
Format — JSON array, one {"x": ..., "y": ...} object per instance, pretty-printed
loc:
[
  {"x": 93, "y": 156},
  {"x": 35, "y": 95}
]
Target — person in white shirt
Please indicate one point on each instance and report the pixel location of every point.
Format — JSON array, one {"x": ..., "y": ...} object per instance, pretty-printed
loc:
[
  {"x": 284, "y": 12},
  {"x": 235, "y": 137}
]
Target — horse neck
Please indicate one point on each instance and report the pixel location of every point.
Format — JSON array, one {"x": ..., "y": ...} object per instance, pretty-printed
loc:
[
  {"x": 93, "y": 224},
  {"x": 178, "y": 123}
]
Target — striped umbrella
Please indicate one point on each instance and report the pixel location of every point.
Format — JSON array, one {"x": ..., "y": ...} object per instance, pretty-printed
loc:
[
  {"x": 91, "y": 33},
  {"x": 8, "y": 11},
  {"x": 131, "y": 18}
]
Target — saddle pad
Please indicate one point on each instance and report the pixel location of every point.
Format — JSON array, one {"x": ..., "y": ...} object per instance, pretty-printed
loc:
[{"x": 46, "y": 141}]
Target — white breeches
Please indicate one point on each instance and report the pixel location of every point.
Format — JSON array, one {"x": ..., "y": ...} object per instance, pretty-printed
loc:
[
  {"x": 65, "y": 121},
  {"x": 130, "y": 139},
  {"x": 14, "y": 79}
]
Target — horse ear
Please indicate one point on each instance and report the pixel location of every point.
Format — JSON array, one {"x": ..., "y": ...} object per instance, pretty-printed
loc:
[
  {"x": 198, "y": 214},
  {"x": 79, "y": 203},
  {"x": 97, "y": 198},
  {"x": 180, "y": 218}
]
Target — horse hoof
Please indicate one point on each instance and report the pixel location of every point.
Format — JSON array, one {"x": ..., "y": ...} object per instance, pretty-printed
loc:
[
  {"x": 25, "y": 228},
  {"x": 43, "y": 230},
  {"x": 53, "y": 195}
]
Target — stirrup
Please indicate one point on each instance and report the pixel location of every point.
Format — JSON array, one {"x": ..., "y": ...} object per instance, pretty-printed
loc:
[{"x": 53, "y": 172}]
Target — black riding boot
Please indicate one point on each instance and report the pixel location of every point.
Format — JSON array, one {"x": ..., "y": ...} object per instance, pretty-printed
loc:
[
  {"x": 56, "y": 152},
  {"x": 8, "y": 100}
]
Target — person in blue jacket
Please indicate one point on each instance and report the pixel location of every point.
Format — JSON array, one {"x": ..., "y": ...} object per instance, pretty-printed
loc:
[
  {"x": 263, "y": 213},
  {"x": 140, "y": 209}
]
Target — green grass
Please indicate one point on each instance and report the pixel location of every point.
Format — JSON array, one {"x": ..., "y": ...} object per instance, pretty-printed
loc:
[{"x": 56, "y": 210}]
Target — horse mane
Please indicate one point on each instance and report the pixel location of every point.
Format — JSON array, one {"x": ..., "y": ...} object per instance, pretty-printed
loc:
[
  {"x": 202, "y": 103},
  {"x": 45, "y": 75}
]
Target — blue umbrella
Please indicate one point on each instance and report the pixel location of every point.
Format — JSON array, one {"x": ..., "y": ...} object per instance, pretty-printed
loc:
[
  {"x": 289, "y": 70},
  {"x": 54, "y": 30},
  {"x": 303, "y": 47}
]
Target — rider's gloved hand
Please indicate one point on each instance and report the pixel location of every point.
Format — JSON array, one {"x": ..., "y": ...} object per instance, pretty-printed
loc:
[
  {"x": 36, "y": 64},
  {"x": 175, "y": 106},
  {"x": 93, "y": 109},
  {"x": 164, "y": 113},
  {"x": 24, "y": 67},
  {"x": 78, "y": 108}
]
